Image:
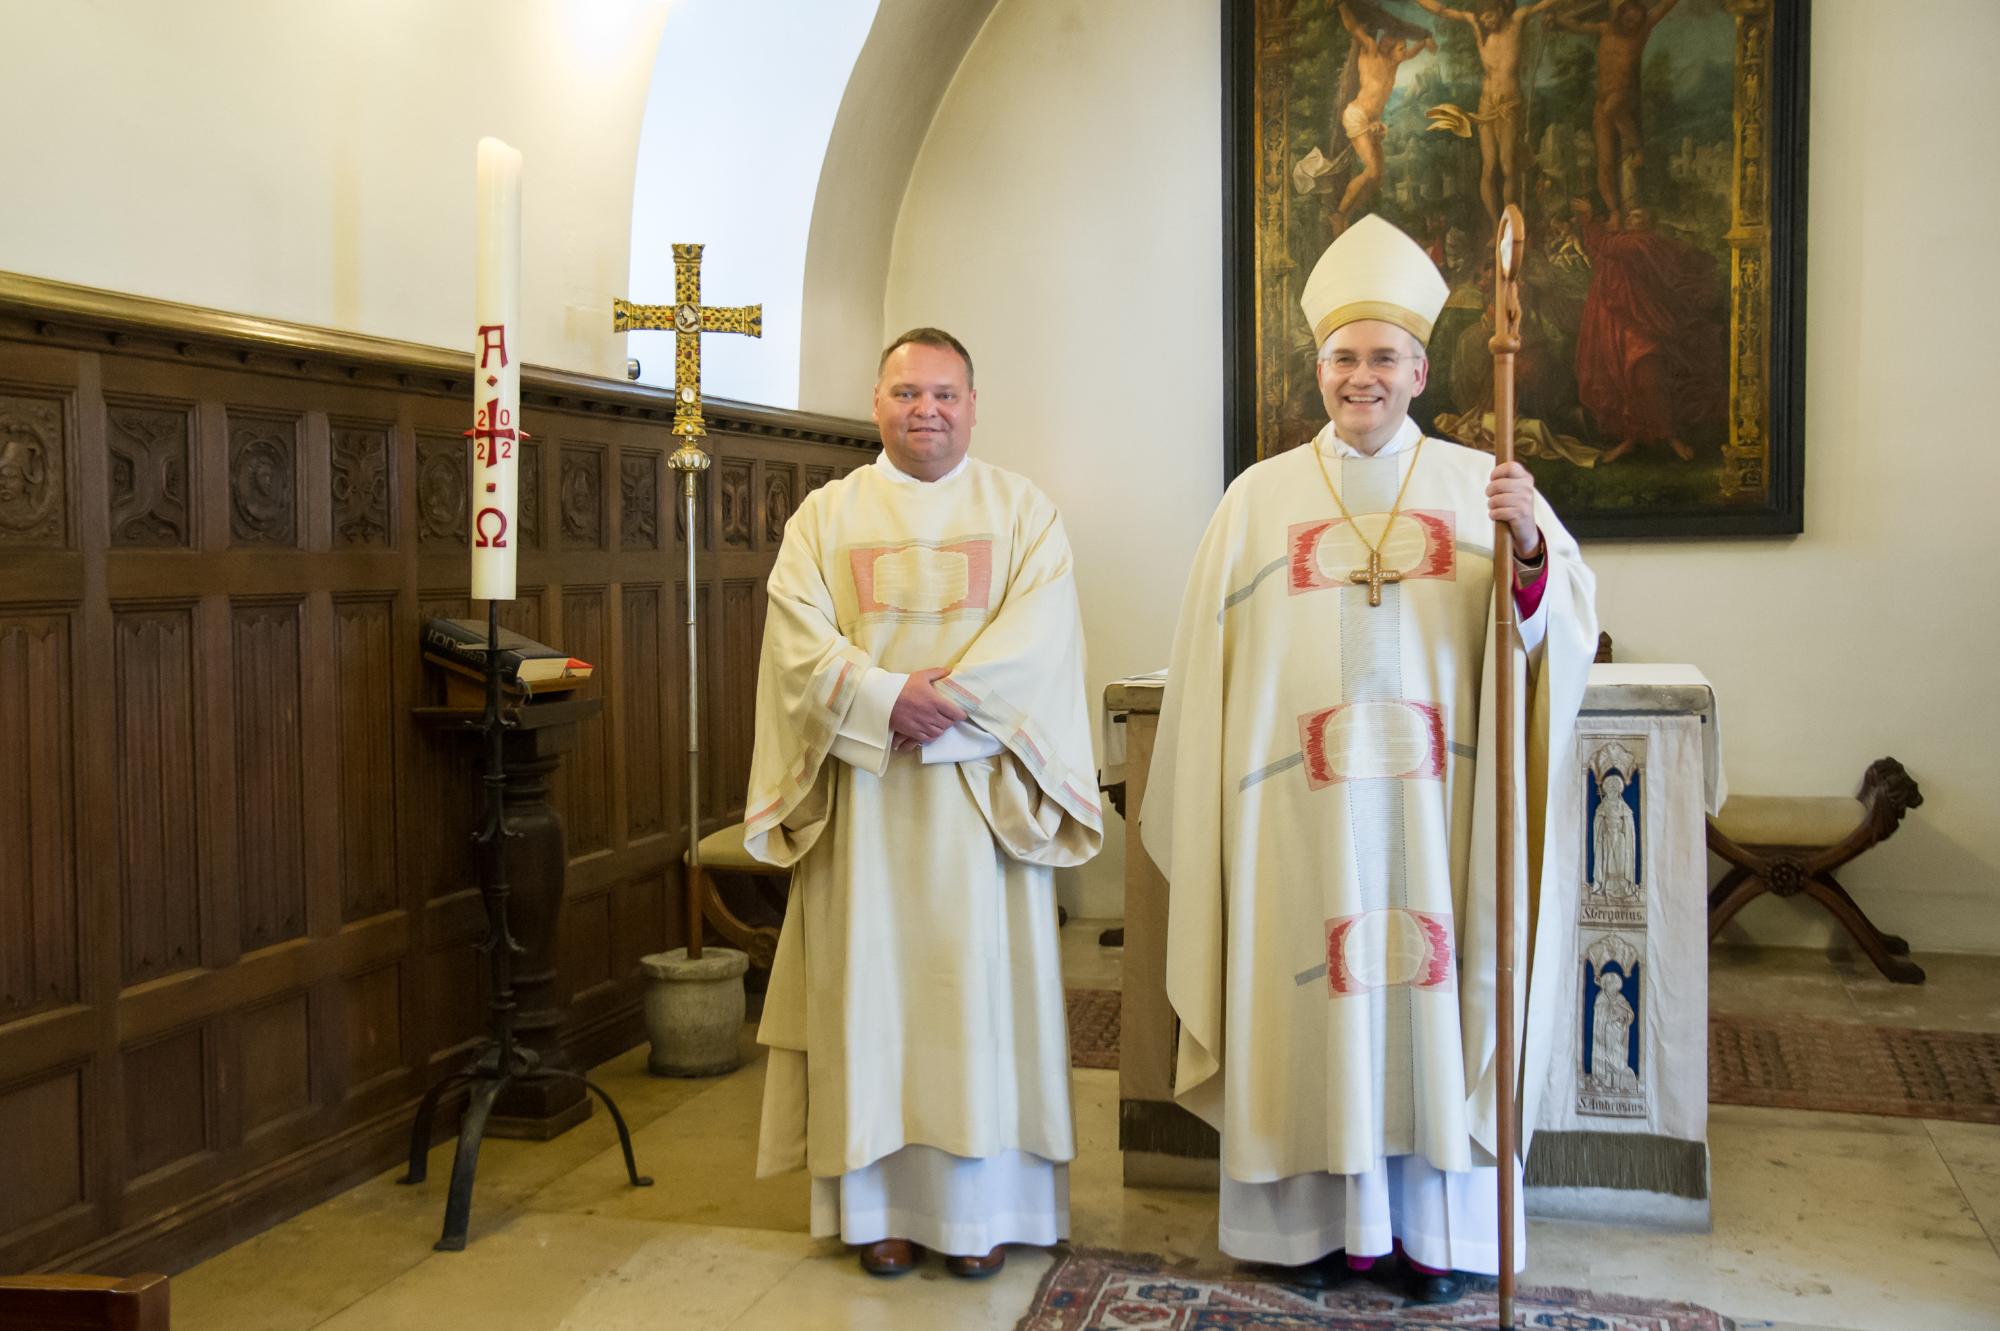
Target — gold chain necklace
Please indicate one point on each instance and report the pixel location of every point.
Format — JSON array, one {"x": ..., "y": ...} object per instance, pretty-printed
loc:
[{"x": 1374, "y": 575}]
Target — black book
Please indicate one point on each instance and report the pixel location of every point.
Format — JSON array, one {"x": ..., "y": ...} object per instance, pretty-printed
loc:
[{"x": 524, "y": 663}]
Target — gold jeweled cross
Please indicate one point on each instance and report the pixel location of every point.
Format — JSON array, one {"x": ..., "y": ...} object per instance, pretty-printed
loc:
[
  {"x": 1374, "y": 575},
  {"x": 689, "y": 319}
]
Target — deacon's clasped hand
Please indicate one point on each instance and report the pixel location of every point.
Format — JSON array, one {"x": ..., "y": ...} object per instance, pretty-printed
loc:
[
  {"x": 921, "y": 713},
  {"x": 1510, "y": 498}
]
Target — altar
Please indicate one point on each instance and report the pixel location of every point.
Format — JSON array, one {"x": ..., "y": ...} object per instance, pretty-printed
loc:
[{"x": 1623, "y": 1134}]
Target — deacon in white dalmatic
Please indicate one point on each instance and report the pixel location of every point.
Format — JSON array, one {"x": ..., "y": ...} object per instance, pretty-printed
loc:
[
  {"x": 1321, "y": 804},
  {"x": 923, "y": 762}
]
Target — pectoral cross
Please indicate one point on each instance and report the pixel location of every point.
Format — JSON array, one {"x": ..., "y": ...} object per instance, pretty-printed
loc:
[
  {"x": 689, "y": 319},
  {"x": 1374, "y": 575}
]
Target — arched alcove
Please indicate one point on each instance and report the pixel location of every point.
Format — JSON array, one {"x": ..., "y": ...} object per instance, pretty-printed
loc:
[
  {"x": 742, "y": 102},
  {"x": 793, "y": 180}
]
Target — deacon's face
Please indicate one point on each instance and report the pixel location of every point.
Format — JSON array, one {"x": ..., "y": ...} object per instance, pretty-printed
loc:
[
  {"x": 1367, "y": 402},
  {"x": 924, "y": 409}
]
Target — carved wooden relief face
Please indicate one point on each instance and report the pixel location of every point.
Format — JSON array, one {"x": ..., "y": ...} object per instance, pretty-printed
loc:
[{"x": 24, "y": 470}]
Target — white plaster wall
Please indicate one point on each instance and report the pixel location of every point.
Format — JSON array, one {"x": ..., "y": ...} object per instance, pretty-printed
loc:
[
  {"x": 315, "y": 162},
  {"x": 1063, "y": 218}
]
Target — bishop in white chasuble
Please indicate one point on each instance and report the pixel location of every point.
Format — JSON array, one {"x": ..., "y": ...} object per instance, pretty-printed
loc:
[
  {"x": 1321, "y": 804},
  {"x": 919, "y": 1064}
]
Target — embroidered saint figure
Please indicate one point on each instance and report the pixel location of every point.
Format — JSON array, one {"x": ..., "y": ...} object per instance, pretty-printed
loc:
[{"x": 1613, "y": 873}]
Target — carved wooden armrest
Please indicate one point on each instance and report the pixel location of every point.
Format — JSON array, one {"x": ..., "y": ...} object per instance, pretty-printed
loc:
[{"x": 1889, "y": 792}]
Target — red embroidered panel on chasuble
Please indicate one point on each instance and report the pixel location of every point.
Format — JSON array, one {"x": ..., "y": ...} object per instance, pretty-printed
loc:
[
  {"x": 916, "y": 580},
  {"x": 1387, "y": 949},
  {"x": 1421, "y": 543},
  {"x": 1363, "y": 741}
]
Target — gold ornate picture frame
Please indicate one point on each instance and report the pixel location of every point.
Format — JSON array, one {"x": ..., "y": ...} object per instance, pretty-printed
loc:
[{"x": 1662, "y": 375}]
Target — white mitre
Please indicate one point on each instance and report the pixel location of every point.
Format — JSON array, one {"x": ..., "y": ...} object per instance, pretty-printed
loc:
[{"x": 1374, "y": 271}]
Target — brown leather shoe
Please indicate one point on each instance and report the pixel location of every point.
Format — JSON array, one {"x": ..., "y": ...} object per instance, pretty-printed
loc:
[
  {"x": 976, "y": 1268},
  {"x": 890, "y": 1257}
]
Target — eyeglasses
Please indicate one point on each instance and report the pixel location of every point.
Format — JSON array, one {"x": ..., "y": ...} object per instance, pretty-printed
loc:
[{"x": 1382, "y": 362}]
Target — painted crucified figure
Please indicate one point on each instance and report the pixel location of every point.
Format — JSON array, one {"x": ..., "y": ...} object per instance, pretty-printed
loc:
[
  {"x": 1496, "y": 30},
  {"x": 1377, "y": 56},
  {"x": 1621, "y": 48}
]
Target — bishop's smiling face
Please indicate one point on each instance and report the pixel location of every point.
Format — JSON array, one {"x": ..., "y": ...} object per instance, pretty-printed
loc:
[{"x": 1369, "y": 371}]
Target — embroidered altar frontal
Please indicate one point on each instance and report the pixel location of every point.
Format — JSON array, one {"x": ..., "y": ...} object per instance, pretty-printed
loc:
[{"x": 1624, "y": 1121}]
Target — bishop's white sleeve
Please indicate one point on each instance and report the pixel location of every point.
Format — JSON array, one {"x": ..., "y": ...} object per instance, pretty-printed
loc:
[
  {"x": 962, "y": 743},
  {"x": 864, "y": 740}
]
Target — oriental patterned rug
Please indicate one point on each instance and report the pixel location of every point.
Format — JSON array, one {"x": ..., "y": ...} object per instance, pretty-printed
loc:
[
  {"x": 1096, "y": 1290},
  {"x": 1792, "y": 1062},
  {"x": 1093, "y": 1027}
]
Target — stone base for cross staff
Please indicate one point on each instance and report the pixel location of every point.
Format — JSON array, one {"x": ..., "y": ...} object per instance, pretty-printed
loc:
[{"x": 1623, "y": 1136}]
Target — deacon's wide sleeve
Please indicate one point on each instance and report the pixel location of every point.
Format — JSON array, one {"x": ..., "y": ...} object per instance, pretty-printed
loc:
[{"x": 1181, "y": 822}]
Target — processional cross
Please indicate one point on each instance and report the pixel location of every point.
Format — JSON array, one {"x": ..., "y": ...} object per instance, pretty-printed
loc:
[
  {"x": 689, "y": 319},
  {"x": 1374, "y": 575}
]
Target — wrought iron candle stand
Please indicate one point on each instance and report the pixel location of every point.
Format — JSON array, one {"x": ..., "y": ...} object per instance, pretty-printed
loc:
[{"x": 501, "y": 1061}]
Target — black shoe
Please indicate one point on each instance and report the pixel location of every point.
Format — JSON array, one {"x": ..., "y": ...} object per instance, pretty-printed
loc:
[
  {"x": 1433, "y": 1286},
  {"x": 1327, "y": 1272}
]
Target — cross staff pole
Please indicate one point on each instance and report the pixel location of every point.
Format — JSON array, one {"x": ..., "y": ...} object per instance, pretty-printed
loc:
[
  {"x": 1507, "y": 246},
  {"x": 689, "y": 319}
]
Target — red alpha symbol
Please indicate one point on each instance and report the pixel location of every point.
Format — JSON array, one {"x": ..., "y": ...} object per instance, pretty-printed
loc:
[
  {"x": 492, "y": 338},
  {"x": 488, "y": 437},
  {"x": 497, "y": 540}
]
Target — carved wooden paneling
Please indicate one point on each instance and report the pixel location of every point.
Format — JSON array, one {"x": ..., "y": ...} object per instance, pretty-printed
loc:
[
  {"x": 149, "y": 474},
  {"x": 159, "y": 887},
  {"x": 733, "y": 495},
  {"x": 529, "y": 509},
  {"x": 211, "y": 778},
  {"x": 742, "y": 633},
  {"x": 816, "y": 477},
  {"x": 275, "y": 1062},
  {"x": 34, "y": 466},
  {"x": 586, "y": 942},
  {"x": 270, "y": 796},
  {"x": 645, "y": 758},
  {"x": 263, "y": 480},
  {"x": 364, "y": 697},
  {"x": 639, "y": 500},
  {"x": 444, "y": 473},
  {"x": 374, "y": 1005},
  {"x": 580, "y": 496},
  {"x": 584, "y": 784},
  {"x": 38, "y": 899},
  {"x": 523, "y": 614},
  {"x": 453, "y": 1000},
  {"x": 362, "y": 496},
  {"x": 166, "y": 1101},
  {"x": 442, "y": 764},
  {"x": 780, "y": 485},
  {"x": 41, "y": 1126}
]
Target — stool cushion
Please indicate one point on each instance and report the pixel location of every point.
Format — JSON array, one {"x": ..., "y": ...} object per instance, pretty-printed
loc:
[
  {"x": 1788, "y": 820},
  {"x": 723, "y": 849}
]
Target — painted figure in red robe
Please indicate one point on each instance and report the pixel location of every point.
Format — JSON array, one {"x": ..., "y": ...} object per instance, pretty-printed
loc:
[{"x": 1652, "y": 350}]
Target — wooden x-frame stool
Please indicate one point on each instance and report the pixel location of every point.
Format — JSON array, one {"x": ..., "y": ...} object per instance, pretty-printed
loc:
[
  {"x": 1790, "y": 845},
  {"x": 724, "y": 850}
]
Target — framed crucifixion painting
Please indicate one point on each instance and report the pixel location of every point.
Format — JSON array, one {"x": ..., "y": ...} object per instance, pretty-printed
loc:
[{"x": 1658, "y": 151}]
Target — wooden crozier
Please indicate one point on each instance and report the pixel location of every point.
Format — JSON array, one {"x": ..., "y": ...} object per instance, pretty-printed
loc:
[{"x": 1507, "y": 246}]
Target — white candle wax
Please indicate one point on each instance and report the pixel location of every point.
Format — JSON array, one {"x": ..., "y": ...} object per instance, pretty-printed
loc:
[{"x": 496, "y": 374}]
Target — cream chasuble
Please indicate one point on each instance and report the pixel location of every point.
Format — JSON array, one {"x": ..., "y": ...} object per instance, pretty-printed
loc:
[
  {"x": 1322, "y": 809},
  {"x": 915, "y": 1015}
]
